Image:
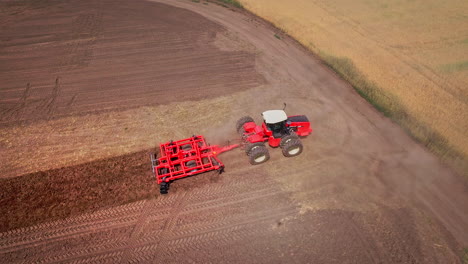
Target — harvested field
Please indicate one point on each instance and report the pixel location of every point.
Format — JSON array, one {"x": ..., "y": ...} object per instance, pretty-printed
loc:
[
  {"x": 93, "y": 60},
  {"x": 409, "y": 58},
  {"x": 76, "y": 184}
]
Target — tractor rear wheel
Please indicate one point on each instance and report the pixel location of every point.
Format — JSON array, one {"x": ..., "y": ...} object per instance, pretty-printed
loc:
[
  {"x": 292, "y": 135},
  {"x": 240, "y": 123},
  {"x": 259, "y": 155},
  {"x": 292, "y": 148},
  {"x": 251, "y": 146}
]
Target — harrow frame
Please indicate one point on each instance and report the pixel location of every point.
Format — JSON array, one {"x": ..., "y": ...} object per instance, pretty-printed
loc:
[{"x": 186, "y": 157}]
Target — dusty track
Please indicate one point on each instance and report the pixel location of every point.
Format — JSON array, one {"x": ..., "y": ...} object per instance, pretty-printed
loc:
[{"x": 362, "y": 191}]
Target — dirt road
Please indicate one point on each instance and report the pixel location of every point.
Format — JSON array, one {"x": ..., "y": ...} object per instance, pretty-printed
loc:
[{"x": 361, "y": 192}]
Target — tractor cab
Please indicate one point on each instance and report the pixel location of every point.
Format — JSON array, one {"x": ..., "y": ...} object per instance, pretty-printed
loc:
[{"x": 275, "y": 121}]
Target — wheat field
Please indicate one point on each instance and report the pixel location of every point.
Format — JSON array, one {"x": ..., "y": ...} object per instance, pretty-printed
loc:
[{"x": 408, "y": 58}]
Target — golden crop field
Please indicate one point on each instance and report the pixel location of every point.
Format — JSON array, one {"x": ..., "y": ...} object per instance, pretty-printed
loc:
[{"x": 408, "y": 58}]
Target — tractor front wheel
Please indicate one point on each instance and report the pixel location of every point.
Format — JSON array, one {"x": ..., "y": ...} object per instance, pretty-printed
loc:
[
  {"x": 259, "y": 155},
  {"x": 240, "y": 123},
  {"x": 292, "y": 148},
  {"x": 251, "y": 146}
]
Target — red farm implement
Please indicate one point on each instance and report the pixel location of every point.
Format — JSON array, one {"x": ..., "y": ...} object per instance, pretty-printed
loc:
[{"x": 185, "y": 158}]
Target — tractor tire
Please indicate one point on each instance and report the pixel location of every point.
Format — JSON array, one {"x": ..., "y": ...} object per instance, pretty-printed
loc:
[
  {"x": 240, "y": 123},
  {"x": 164, "y": 187},
  {"x": 292, "y": 135},
  {"x": 251, "y": 146},
  {"x": 292, "y": 148},
  {"x": 259, "y": 155}
]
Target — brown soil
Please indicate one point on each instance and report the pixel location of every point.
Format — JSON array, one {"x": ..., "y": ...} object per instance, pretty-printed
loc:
[
  {"x": 58, "y": 193},
  {"x": 210, "y": 216},
  {"x": 64, "y": 58},
  {"x": 361, "y": 192},
  {"x": 70, "y": 191}
]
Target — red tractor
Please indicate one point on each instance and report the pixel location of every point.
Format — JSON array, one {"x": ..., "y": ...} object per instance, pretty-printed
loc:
[{"x": 278, "y": 129}]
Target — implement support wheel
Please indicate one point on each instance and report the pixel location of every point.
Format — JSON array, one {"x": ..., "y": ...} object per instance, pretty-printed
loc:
[{"x": 164, "y": 186}]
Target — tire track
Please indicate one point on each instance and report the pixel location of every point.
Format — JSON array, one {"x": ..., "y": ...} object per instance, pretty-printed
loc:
[
  {"x": 86, "y": 28},
  {"x": 240, "y": 233},
  {"x": 167, "y": 227},
  {"x": 122, "y": 210},
  {"x": 223, "y": 216},
  {"x": 61, "y": 230},
  {"x": 224, "y": 235},
  {"x": 222, "y": 223},
  {"x": 51, "y": 105},
  {"x": 81, "y": 244},
  {"x": 159, "y": 224},
  {"x": 114, "y": 257},
  {"x": 227, "y": 190},
  {"x": 65, "y": 233},
  {"x": 230, "y": 200},
  {"x": 106, "y": 245},
  {"x": 18, "y": 110},
  {"x": 222, "y": 226},
  {"x": 225, "y": 202}
]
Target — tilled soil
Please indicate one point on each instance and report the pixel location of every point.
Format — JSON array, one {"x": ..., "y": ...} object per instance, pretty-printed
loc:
[
  {"x": 361, "y": 192},
  {"x": 59, "y": 193},
  {"x": 67, "y": 58}
]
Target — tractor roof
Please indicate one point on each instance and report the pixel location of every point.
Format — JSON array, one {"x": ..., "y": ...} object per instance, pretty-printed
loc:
[{"x": 274, "y": 116}]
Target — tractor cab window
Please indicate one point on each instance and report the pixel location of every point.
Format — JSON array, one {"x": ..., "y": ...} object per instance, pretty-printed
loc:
[{"x": 278, "y": 129}]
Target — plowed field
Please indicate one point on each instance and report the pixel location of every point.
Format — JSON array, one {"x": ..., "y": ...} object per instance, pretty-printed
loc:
[{"x": 88, "y": 88}]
